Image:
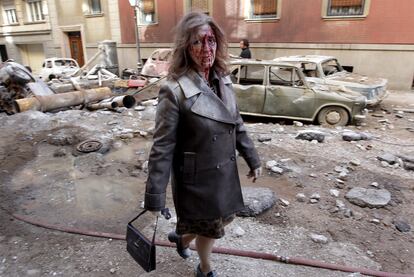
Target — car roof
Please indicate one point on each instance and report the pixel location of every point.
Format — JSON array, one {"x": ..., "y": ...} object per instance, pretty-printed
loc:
[
  {"x": 55, "y": 58},
  {"x": 259, "y": 62},
  {"x": 307, "y": 58}
]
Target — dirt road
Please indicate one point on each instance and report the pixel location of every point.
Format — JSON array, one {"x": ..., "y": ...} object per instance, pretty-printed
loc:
[{"x": 45, "y": 177}]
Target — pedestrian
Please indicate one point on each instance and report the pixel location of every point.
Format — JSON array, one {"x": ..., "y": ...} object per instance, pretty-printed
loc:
[
  {"x": 245, "y": 53},
  {"x": 198, "y": 129}
]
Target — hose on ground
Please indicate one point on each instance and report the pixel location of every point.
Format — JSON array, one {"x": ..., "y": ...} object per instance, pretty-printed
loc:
[{"x": 220, "y": 250}]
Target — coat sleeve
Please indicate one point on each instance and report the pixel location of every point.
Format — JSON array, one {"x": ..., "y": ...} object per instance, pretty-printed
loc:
[
  {"x": 245, "y": 145},
  {"x": 162, "y": 151}
]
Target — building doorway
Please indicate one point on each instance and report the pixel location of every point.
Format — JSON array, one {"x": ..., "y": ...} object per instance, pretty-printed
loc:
[
  {"x": 33, "y": 56},
  {"x": 3, "y": 53},
  {"x": 76, "y": 48}
]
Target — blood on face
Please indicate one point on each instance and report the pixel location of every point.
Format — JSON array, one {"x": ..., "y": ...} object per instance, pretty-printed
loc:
[{"x": 203, "y": 49}]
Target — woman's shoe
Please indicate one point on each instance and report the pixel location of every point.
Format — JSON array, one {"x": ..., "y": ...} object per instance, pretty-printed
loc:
[
  {"x": 199, "y": 273},
  {"x": 183, "y": 252}
]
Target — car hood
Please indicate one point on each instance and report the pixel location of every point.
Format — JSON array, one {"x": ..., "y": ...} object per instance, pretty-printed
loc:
[
  {"x": 349, "y": 79},
  {"x": 339, "y": 90}
]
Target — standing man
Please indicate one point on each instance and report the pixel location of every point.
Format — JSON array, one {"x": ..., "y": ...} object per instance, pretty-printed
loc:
[{"x": 245, "y": 53}]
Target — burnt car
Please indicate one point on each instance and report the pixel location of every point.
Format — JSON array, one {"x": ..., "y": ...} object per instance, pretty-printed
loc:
[
  {"x": 280, "y": 90},
  {"x": 158, "y": 63},
  {"x": 327, "y": 70}
]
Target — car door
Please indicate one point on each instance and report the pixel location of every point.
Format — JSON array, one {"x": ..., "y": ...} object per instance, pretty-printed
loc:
[
  {"x": 249, "y": 88},
  {"x": 287, "y": 94}
]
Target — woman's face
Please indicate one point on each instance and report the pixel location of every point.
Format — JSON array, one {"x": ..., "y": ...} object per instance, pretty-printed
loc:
[{"x": 203, "y": 48}]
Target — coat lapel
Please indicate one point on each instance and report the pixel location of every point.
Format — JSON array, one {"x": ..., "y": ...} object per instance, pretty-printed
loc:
[{"x": 208, "y": 104}]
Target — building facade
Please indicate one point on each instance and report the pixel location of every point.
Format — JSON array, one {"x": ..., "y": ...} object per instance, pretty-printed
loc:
[{"x": 373, "y": 37}]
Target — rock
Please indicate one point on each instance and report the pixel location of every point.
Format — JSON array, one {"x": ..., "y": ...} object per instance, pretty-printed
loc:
[
  {"x": 61, "y": 152},
  {"x": 354, "y": 136},
  {"x": 315, "y": 196},
  {"x": 408, "y": 166},
  {"x": 300, "y": 197},
  {"x": 355, "y": 162},
  {"x": 237, "y": 231},
  {"x": 374, "y": 184},
  {"x": 399, "y": 116},
  {"x": 340, "y": 204},
  {"x": 387, "y": 157},
  {"x": 373, "y": 198},
  {"x": 256, "y": 200},
  {"x": 313, "y": 175},
  {"x": 375, "y": 220},
  {"x": 310, "y": 135},
  {"x": 263, "y": 138},
  {"x": 348, "y": 213},
  {"x": 270, "y": 164},
  {"x": 318, "y": 238},
  {"x": 343, "y": 175},
  {"x": 139, "y": 108},
  {"x": 276, "y": 169},
  {"x": 401, "y": 225},
  {"x": 297, "y": 123},
  {"x": 284, "y": 202},
  {"x": 384, "y": 164},
  {"x": 33, "y": 272},
  {"x": 334, "y": 192},
  {"x": 313, "y": 201},
  {"x": 126, "y": 136}
]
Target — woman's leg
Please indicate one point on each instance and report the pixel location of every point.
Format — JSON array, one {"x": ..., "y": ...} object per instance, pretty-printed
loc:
[
  {"x": 186, "y": 239},
  {"x": 204, "y": 247}
]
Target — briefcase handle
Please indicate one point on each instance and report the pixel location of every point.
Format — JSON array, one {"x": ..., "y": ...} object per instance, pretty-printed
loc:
[{"x": 165, "y": 212}]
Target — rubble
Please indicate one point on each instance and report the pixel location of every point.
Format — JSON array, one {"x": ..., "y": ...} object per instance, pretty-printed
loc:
[
  {"x": 256, "y": 201},
  {"x": 373, "y": 198}
]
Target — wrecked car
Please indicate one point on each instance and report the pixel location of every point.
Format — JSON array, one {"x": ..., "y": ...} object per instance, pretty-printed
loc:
[
  {"x": 327, "y": 70},
  {"x": 57, "y": 67},
  {"x": 158, "y": 63},
  {"x": 280, "y": 90}
]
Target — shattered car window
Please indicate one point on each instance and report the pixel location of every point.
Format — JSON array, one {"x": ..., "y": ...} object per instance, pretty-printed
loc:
[
  {"x": 249, "y": 74},
  {"x": 285, "y": 76},
  {"x": 330, "y": 67}
]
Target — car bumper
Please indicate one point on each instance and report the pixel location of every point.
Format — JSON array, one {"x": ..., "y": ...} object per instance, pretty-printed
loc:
[{"x": 378, "y": 99}]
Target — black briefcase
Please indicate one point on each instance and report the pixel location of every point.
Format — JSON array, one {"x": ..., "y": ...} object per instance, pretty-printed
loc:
[{"x": 139, "y": 246}]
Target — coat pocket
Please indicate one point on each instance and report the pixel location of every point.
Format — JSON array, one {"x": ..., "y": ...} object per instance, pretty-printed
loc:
[{"x": 189, "y": 167}]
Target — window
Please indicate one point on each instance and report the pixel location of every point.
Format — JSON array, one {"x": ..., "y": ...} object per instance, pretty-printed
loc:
[
  {"x": 346, "y": 8},
  {"x": 264, "y": 9},
  {"x": 147, "y": 12},
  {"x": 199, "y": 5},
  {"x": 284, "y": 76},
  {"x": 10, "y": 16},
  {"x": 35, "y": 11},
  {"x": 248, "y": 74},
  {"x": 95, "y": 7}
]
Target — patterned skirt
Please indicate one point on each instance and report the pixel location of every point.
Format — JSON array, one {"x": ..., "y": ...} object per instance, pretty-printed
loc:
[{"x": 211, "y": 228}]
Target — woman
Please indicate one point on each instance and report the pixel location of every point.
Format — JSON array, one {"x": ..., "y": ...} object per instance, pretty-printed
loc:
[{"x": 198, "y": 129}]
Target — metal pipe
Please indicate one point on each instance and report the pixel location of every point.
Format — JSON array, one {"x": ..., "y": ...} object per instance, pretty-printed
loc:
[
  {"x": 51, "y": 102},
  {"x": 127, "y": 101}
]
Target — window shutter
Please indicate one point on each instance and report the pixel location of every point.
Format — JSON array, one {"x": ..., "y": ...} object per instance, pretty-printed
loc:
[
  {"x": 346, "y": 3},
  {"x": 201, "y": 5},
  {"x": 148, "y": 6},
  {"x": 263, "y": 7}
]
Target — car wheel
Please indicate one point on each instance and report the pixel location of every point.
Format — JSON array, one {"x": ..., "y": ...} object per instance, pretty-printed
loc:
[{"x": 333, "y": 116}]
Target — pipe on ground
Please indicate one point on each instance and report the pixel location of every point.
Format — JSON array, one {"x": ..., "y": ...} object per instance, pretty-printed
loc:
[
  {"x": 221, "y": 250},
  {"x": 61, "y": 100}
]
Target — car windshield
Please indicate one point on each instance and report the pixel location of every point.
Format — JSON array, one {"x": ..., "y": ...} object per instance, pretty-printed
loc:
[
  {"x": 330, "y": 67},
  {"x": 64, "y": 63}
]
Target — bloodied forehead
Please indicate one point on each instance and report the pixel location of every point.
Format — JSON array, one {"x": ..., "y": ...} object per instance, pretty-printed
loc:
[{"x": 204, "y": 31}]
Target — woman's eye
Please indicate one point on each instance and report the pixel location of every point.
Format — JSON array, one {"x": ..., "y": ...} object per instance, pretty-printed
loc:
[
  {"x": 211, "y": 41},
  {"x": 197, "y": 42}
]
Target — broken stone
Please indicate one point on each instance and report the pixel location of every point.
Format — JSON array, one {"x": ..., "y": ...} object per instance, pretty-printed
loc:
[
  {"x": 264, "y": 138},
  {"x": 355, "y": 162},
  {"x": 387, "y": 157},
  {"x": 354, "y": 136},
  {"x": 237, "y": 231},
  {"x": 377, "y": 115},
  {"x": 375, "y": 220},
  {"x": 314, "y": 201},
  {"x": 373, "y": 198},
  {"x": 318, "y": 238},
  {"x": 374, "y": 184},
  {"x": 270, "y": 164},
  {"x": 401, "y": 225},
  {"x": 256, "y": 200},
  {"x": 310, "y": 135},
  {"x": 61, "y": 152},
  {"x": 276, "y": 169},
  {"x": 340, "y": 204},
  {"x": 284, "y": 202},
  {"x": 343, "y": 175},
  {"x": 300, "y": 197},
  {"x": 313, "y": 175},
  {"x": 297, "y": 123},
  {"x": 139, "y": 108},
  {"x": 348, "y": 213},
  {"x": 315, "y": 196},
  {"x": 399, "y": 116},
  {"x": 334, "y": 192},
  {"x": 408, "y": 166}
]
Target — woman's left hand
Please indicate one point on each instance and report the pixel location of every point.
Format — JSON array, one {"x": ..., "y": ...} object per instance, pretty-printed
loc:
[{"x": 255, "y": 173}]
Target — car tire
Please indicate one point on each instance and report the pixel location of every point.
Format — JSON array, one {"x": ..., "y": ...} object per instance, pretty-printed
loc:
[{"x": 333, "y": 116}]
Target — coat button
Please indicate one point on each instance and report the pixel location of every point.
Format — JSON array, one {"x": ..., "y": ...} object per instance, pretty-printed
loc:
[
  {"x": 233, "y": 158},
  {"x": 230, "y": 131},
  {"x": 214, "y": 138},
  {"x": 218, "y": 166}
]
